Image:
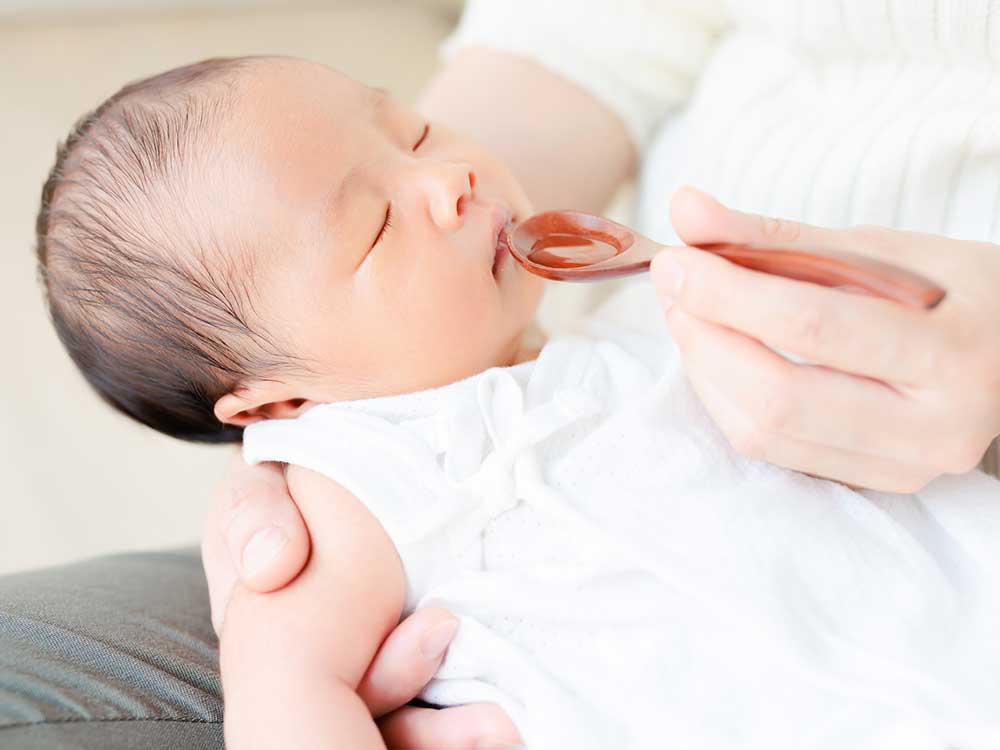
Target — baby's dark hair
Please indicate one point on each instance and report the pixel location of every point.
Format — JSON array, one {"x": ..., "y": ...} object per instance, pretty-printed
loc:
[{"x": 158, "y": 320}]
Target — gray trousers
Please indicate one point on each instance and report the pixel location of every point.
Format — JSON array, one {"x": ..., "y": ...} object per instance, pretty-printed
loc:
[{"x": 116, "y": 653}]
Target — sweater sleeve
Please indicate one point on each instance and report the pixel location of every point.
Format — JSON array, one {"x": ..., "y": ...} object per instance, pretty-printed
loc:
[{"x": 640, "y": 58}]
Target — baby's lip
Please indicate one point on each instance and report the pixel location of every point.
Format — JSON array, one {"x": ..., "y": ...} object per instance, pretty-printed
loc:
[
  {"x": 501, "y": 219},
  {"x": 501, "y": 250}
]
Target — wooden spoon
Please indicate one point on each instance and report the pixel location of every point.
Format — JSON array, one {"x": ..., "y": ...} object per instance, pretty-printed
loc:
[{"x": 577, "y": 246}]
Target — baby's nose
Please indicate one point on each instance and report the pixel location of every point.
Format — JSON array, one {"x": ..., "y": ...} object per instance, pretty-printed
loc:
[{"x": 448, "y": 186}]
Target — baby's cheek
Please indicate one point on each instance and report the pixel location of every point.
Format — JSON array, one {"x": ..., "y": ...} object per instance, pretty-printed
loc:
[{"x": 470, "y": 320}]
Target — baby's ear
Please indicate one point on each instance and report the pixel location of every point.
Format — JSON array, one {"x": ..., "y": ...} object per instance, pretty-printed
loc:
[{"x": 245, "y": 406}]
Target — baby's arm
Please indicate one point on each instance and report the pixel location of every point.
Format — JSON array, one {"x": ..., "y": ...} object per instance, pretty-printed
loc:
[{"x": 291, "y": 660}]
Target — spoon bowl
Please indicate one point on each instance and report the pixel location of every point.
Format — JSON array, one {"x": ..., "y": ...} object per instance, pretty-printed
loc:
[{"x": 577, "y": 246}]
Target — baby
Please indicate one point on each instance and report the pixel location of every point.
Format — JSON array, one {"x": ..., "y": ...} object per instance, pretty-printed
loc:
[
  {"x": 263, "y": 243},
  {"x": 239, "y": 239}
]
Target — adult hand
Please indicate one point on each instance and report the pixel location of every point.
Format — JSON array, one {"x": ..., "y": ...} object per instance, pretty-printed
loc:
[
  {"x": 255, "y": 536},
  {"x": 892, "y": 396}
]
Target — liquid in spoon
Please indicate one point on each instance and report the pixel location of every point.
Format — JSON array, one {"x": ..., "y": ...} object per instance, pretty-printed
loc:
[{"x": 558, "y": 250}]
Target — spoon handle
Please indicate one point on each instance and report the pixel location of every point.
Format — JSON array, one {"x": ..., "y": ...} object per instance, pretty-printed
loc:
[{"x": 837, "y": 269}]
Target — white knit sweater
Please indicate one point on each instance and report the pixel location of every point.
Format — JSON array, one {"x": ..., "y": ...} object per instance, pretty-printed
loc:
[{"x": 833, "y": 112}]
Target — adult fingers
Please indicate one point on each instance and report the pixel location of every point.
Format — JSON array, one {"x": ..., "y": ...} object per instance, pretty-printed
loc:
[
  {"x": 254, "y": 524},
  {"x": 700, "y": 219},
  {"x": 477, "y": 726},
  {"x": 848, "y": 332},
  {"x": 219, "y": 571},
  {"x": 853, "y": 469},
  {"x": 407, "y": 660},
  {"x": 804, "y": 402},
  {"x": 266, "y": 536},
  {"x": 822, "y": 325}
]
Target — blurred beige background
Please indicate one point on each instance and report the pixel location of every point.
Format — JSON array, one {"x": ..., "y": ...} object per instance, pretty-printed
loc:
[{"x": 76, "y": 479}]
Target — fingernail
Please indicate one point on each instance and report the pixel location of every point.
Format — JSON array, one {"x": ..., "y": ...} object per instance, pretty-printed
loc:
[
  {"x": 437, "y": 639},
  {"x": 262, "y": 548},
  {"x": 667, "y": 278}
]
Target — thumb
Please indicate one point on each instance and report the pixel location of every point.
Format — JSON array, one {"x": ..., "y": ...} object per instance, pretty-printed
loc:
[
  {"x": 699, "y": 219},
  {"x": 254, "y": 534},
  {"x": 407, "y": 660}
]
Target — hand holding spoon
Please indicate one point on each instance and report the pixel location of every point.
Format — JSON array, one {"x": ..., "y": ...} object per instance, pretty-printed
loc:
[{"x": 576, "y": 246}]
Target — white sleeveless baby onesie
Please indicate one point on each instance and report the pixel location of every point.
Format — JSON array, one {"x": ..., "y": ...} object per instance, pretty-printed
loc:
[{"x": 625, "y": 580}]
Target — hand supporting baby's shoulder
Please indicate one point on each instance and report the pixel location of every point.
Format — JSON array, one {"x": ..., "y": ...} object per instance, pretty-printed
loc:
[{"x": 292, "y": 660}]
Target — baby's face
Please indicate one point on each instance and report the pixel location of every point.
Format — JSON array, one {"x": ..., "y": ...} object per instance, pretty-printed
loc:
[{"x": 382, "y": 230}]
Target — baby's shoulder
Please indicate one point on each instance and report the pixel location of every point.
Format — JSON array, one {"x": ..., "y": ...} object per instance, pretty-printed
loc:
[{"x": 339, "y": 521}]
